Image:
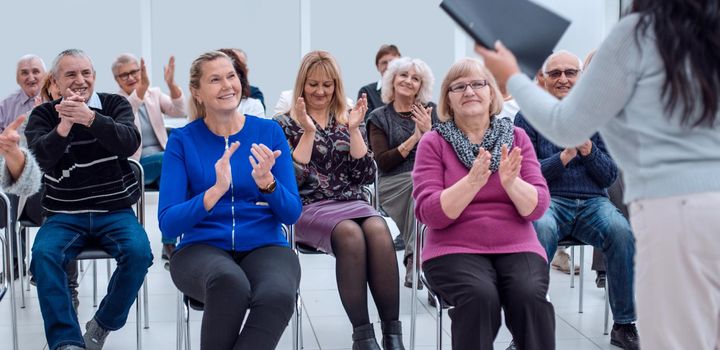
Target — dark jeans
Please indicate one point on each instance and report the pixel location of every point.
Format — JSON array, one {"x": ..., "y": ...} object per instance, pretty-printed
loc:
[
  {"x": 599, "y": 223},
  {"x": 480, "y": 285},
  {"x": 60, "y": 239},
  {"x": 263, "y": 281}
]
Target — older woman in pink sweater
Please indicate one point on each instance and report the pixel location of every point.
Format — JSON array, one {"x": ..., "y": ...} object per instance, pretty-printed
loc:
[{"x": 478, "y": 187}]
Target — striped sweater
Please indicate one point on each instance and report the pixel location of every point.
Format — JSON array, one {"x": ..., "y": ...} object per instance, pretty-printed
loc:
[{"x": 87, "y": 171}]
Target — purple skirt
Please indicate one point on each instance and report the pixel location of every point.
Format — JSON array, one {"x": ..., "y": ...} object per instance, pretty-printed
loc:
[{"x": 318, "y": 220}]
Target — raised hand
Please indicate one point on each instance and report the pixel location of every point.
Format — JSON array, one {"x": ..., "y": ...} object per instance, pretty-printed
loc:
[
  {"x": 170, "y": 72},
  {"x": 357, "y": 114},
  {"x": 144, "y": 83},
  {"x": 300, "y": 113},
  {"x": 421, "y": 117},
  {"x": 480, "y": 171},
  {"x": 10, "y": 138},
  {"x": 223, "y": 174},
  {"x": 585, "y": 148},
  {"x": 510, "y": 165},
  {"x": 262, "y": 161}
]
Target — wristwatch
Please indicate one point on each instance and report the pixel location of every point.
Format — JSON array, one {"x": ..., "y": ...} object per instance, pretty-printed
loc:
[{"x": 270, "y": 188}]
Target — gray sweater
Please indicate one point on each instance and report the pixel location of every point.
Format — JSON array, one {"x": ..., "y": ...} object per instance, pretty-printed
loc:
[
  {"x": 29, "y": 181},
  {"x": 620, "y": 95}
]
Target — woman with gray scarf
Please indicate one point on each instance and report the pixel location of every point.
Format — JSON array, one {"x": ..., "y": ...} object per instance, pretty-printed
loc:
[{"x": 394, "y": 131}]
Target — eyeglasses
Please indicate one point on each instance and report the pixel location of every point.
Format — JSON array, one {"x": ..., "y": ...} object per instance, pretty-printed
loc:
[
  {"x": 569, "y": 73},
  {"x": 461, "y": 87},
  {"x": 126, "y": 75}
]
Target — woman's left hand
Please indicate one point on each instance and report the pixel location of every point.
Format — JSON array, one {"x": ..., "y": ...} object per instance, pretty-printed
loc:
[
  {"x": 510, "y": 165},
  {"x": 501, "y": 62},
  {"x": 357, "y": 114},
  {"x": 262, "y": 161},
  {"x": 421, "y": 117}
]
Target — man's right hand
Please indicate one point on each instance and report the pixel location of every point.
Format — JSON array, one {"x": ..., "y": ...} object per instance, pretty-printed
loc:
[
  {"x": 144, "y": 82},
  {"x": 567, "y": 155}
]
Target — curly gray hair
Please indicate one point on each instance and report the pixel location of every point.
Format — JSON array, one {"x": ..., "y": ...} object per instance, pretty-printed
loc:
[{"x": 403, "y": 64}]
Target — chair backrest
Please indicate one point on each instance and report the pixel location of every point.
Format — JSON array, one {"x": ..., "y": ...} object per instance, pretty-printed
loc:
[
  {"x": 4, "y": 246},
  {"x": 33, "y": 214},
  {"x": 421, "y": 230}
]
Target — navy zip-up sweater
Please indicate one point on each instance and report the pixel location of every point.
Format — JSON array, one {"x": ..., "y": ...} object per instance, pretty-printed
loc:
[{"x": 584, "y": 177}]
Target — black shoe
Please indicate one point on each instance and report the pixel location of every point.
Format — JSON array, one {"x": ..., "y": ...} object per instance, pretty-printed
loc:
[
  {"x": 392, "y": 335},
  {"x": 167, "y": 251},
  {"x": 512, "y": 346},
  {"x": 600, "y": 279},
  {"x": 399, "y": 243},
  {"x": 364, "y": 338},
  {"x": 625, "y": 336}
]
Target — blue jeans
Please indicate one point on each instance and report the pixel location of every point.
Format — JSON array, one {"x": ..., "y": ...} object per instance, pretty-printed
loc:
[
  {"x": 60, "y": 239},
  {"x": 597, "y": 222}
]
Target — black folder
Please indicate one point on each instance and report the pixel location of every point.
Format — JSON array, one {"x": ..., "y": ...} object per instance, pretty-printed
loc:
[{"x": 529, "y": 30}]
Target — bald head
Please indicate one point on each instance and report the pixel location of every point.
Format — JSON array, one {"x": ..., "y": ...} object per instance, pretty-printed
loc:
[{"x": 560, "y": 72}]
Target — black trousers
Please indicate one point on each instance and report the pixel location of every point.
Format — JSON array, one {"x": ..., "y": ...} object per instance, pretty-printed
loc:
[
  {"x": 263, "y": 281},
  {"x": 479, "y": 286}
]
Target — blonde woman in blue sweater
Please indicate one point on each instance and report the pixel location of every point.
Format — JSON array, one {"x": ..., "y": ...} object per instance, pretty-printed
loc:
[
  {"x": 229, "y": 186},
  {"x": 652, "y": 92}
]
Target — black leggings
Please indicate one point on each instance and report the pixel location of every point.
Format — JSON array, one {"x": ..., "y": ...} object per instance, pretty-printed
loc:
[
  {"x": 263, "y": 280},
  {"x": 479, "y": 285}
]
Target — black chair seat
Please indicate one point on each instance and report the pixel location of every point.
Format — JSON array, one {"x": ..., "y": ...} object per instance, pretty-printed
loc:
[
  {"x": 93, "y": 252},
  {"x": 193, "y": 304},
  {"x": 570, "y": 242},
  {"x": 306, "y": 249}
]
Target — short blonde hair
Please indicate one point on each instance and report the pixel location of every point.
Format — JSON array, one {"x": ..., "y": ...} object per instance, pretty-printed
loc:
[
  {"x": 404, "y": 64},
  {"x": 463, "y": 68},
  {"x": 196, "y": 110},
  {"x": 324, "y": 62}
]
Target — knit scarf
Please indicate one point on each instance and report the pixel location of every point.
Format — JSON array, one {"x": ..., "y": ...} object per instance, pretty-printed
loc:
[{"x": 500, "y": 132}]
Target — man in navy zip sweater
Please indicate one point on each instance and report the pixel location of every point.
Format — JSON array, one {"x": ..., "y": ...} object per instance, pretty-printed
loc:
[
  {"x": 578, "y": 179},
  {"x": 82, "y": 143}
]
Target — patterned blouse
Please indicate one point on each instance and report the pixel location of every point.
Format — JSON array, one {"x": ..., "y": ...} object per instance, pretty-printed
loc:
[{"x": 332, "y": 172}]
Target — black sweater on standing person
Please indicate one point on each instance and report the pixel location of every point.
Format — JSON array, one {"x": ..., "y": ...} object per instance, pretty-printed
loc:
[{"x": 88, "y": 170}]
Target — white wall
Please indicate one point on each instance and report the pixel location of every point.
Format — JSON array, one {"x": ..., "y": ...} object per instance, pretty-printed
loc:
[{"x": 269, "y": 31}]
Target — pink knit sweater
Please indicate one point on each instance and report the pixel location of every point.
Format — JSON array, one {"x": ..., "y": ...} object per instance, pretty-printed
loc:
[{"x": 490, "y": 224}]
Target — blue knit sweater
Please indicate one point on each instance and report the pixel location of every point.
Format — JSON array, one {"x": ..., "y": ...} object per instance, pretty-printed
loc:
[
  {"x": 583, "y": 177},
  {"x": 243, "y": 219}
]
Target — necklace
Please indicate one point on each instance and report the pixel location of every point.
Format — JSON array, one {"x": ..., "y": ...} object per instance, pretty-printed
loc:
[{"x": 405, "y": 115}]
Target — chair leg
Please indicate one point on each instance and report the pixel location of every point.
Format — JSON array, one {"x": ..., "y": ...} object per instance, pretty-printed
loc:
[
  {"x": 582, "y": 277},
  {"x": 26, "y": 233},
  {"x": 186, "y": 320},
  {"x": 296, "y": 321},
  {"x": 438, "y": 330},
  {"x": 20, "y": 262},
  {"x": 94, "y": 270},
  {"x": 109, "y": 273},
  {"x": 179, "y": 336},
  {"x": 572, "y": 267},
  {"x": 146, "y": 308},
  {"x": 82, "y": 266},
  {"x": 138, "y": 328}
]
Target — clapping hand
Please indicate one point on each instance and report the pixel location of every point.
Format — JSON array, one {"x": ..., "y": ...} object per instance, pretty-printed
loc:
[
  {"x": 510, "y": 165},
  {"x": 73, "y": 110},
  {"x": 223, "y": 174},
  {"x": 170, "y": 72},
  {"x": 300, "y": 112},
  {"x": 585, "y": 148},
  {"x": 262, "y": 162},
  {"x": 421, "y": 117},
  {"x": 480, "y": 171},
  {"x": 357, "y": 114},
  {"x": 144, "y": 83},
  {"x": 10, "y": 138}
]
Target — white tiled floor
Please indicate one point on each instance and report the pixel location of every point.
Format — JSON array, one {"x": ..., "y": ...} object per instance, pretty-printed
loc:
[{"x": 325, "y": 325}]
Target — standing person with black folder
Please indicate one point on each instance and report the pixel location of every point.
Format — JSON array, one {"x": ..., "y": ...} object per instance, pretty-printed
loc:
[{"x": 652, "y": 92}]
